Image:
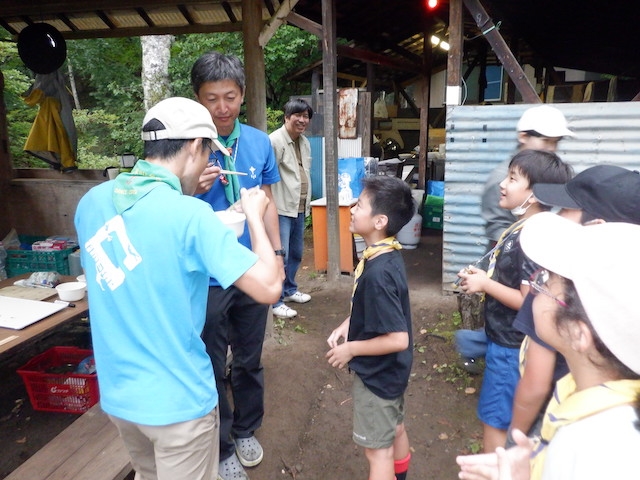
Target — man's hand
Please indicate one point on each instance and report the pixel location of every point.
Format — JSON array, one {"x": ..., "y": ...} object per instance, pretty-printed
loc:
[{"x": 207, "y": 177}]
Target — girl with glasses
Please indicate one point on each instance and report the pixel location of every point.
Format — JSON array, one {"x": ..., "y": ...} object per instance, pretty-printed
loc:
[{"x": 586, "y": 310}]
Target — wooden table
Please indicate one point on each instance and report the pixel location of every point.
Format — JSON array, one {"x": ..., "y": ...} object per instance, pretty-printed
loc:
[{"x": 10, "y": 338}]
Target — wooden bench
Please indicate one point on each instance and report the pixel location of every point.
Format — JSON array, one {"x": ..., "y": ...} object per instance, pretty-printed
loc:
[{"x": 88, "y": 449}]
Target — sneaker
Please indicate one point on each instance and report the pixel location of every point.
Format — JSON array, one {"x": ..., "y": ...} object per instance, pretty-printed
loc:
[
  {"x": 283, "y": 311},
  {"x": 298, "y": 297},
  {"x": 249, "y": 451},
  {"x": 231, "y": 469}
]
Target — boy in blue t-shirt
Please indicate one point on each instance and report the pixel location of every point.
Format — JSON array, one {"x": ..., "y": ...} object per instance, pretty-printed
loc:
[
  {"x": 505, "y": 285},
  {"x": 377, "y": 335}
]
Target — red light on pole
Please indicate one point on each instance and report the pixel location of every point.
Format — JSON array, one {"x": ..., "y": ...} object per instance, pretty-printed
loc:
[{"x": 431, "y": 4}]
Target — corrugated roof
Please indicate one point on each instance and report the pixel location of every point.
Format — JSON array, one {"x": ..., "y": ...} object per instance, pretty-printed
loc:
[{"x": 102, "y": 18}]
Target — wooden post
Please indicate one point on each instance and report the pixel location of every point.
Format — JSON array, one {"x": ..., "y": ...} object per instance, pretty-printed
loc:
[
  {"x": 329, "y": 80},
  {"x": 316, "y": 127},
  {"x": 502, "y": 51},
  {"x": 454, "y": 58},
  {"x": 371, "y": 89},
  {"x": 255, "y": 92},
  {"x": 366, "y": 122},
  {"x": 427, "y": 61}
]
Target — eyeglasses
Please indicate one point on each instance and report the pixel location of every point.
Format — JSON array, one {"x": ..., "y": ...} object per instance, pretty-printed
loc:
[{"x": 536, "y": 284}]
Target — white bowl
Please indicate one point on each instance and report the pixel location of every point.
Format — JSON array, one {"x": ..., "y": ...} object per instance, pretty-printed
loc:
[
  {"x": 233, "y": 220},
  {"x": 81, "y": 278},
  {"x": 71, "y": 291}
]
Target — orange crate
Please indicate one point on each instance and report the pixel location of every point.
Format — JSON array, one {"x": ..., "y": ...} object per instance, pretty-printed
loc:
[{"x": 52, "y": 388}]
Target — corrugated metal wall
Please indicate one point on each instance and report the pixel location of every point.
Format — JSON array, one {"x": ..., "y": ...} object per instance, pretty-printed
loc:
[{"x": 480, "y": 137}]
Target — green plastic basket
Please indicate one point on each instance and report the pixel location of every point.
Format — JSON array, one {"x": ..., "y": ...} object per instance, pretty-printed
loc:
[{"x": 27, "y": 261}]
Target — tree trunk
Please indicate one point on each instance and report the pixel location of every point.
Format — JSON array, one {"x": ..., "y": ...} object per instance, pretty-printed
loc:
[
  {"x": 156, "y": 52},
  {"x": 72, "y": 82}
]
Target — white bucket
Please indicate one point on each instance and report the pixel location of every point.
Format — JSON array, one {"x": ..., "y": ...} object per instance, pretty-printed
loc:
[
  {"x": 409, "y": 235},
  {"x": 418, "y": 196}
]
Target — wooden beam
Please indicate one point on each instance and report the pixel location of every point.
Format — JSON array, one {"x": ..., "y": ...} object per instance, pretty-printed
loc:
[
  {"x": 394, "y": 47},
  {"x": 139, "y": 31},
  {"x": 364, "y": 99},
  {"x": 147, "y": 19},
  {"x": 185, "y": 13},
  {"x": 10, "y": 8},
  {"x": 229, "y": 11},
  {"x": 454, "y": 57},
  {"x": 427, "y": 54},
  {"x": 269, "y": 6},
  {"x": 502, "y": 51},
  {"x": 106, "y": 20},
  {"x": 274, "y": 23},
  {"x": 255, "y": 92},
  {"x": 329, "y": 101},
  {"x": 305, "y": 24},
  {"x": 414, "y": 108},
  {"x": 375, "y": 58},
  {"x": 64, "y": 19}
]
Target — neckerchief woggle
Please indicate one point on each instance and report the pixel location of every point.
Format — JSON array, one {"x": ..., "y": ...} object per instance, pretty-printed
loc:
[
  {"x": 129, "y": 187},
  {"x": 232, "y": 188}
]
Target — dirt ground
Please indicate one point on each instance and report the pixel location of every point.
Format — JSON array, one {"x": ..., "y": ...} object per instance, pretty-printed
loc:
[{"x": 306, "y": 433}]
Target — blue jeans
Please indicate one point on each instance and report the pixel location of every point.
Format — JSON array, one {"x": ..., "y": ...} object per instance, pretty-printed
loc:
[{"x": 292, "y": 238}]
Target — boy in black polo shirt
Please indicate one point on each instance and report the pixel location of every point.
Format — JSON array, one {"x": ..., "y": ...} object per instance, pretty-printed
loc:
[
  {"x": 378, "y": 341},
  {"x": 505, "y": 284}
]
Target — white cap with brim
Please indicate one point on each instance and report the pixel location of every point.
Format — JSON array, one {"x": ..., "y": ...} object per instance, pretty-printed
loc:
[
  {"x": 545, "y": 120},
  {"x": 183, "y": 119},
  {"x": 602, "y": 261}
]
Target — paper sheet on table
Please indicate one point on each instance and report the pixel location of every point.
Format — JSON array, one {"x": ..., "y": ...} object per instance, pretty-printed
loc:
[
  {"x": 28, "y": 293},
  {"x": 18, "y": 313}
]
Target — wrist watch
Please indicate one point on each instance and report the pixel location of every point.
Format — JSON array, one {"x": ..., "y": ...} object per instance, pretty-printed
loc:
[{"x": 280, "y": 252}]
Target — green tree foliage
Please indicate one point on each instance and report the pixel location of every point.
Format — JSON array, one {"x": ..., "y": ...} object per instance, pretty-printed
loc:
[
  {"x": 289, "y": 50},
  {"x": 186, "y": 50},
  {"x": 16, "y": 82},
  {"x": 107, "y": 77}
]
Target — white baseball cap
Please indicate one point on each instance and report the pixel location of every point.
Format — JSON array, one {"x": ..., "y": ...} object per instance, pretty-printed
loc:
[
  {"x": 545, "y": 120},
  {"x": 601, "y": 261},
  {"x": 183, "y": 119}
]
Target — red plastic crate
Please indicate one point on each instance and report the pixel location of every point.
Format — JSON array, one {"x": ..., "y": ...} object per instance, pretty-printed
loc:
[{"x": 60, "y": 391}]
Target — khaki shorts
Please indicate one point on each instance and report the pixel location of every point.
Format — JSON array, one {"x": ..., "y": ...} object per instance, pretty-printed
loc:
[
  {"x": 180, "y": 451},
  {"x": 375, "y": 419}
]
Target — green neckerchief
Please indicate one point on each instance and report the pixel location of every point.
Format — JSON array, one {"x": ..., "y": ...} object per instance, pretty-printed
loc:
[
  {"x": 232, "y": 188},
  {"x": 144, "y": 177}
]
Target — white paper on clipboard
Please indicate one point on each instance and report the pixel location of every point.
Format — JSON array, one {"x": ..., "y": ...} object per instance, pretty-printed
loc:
[{"x": 18, "y": 313}]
